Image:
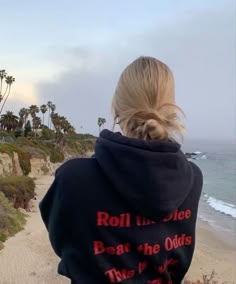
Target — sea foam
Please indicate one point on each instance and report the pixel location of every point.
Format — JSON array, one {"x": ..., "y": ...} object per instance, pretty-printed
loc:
[{"x": 221, "y": 206}]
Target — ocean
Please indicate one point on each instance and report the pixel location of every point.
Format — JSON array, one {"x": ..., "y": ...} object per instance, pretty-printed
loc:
[{"x": 217, "y": 160}]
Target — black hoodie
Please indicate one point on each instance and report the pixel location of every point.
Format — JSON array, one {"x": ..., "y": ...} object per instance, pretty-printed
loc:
[{"x": 127, "y": 215}]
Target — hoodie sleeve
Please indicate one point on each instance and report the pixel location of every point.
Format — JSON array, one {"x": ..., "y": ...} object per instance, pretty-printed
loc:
[{"x": 54, "y": 215}]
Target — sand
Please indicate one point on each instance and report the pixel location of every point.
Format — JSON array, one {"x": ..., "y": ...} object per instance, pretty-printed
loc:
[
  {"x": 28, "y": 258},
  {"x": 214, "y": 251}
]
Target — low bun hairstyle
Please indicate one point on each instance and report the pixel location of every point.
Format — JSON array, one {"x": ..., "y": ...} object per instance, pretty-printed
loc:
[{"x": 144, "y": 102}]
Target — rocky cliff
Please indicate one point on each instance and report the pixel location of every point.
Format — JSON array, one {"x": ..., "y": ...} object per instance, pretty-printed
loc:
[{"x": 10, "y": 165}]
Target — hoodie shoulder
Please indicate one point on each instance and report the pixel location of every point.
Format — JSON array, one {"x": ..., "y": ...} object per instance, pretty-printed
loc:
[
  {"x": 197, "y": 171},
  {"x": 74, "y": 167}
]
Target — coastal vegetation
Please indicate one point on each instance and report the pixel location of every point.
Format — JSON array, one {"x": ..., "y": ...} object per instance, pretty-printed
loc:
[
  {"x": 38, "y": 131},
  {"x": 18, "y": 190},
  {"x": 11, "y": 221},
  {"x": 35, "y": 132},
  {"x": 206, "y": 279}
]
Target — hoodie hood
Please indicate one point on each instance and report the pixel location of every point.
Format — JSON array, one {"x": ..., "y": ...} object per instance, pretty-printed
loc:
[{"x": 154, "y": 177}]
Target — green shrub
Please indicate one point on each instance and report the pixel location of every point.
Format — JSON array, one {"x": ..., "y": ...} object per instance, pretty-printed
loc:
[
  {"x": 87, "y": 144},
  {"x": 28, "y": 129},
  {"x": 79, "y": 146},
  {"x": 7, "y": 148},
  {"x": 11, "y": 220},
  {"x": 73, "y": 147},
  {"x": 56, "y": 155},
  {"x": 33, "y": 147},
  {"x": 41, "y": 149},
  {"x": 6, "y": 136},
  {"x": 79, "y": 136},
  {"x": 24, "y": 160},
  {"x": 26, "y": 147},
  {"x": 18, "y": 190},
  {"x": 23, "y": 141},
  {"x": 18, "y": 132},
  {"x": 47, "y": 134}
]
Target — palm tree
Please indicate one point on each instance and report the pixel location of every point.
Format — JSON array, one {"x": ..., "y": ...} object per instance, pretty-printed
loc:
[
  {"x": 36, "y": 123},
  {"x": 43, "y": 109},
  {"x": 101, "y": 121},
  {"x": 9, "y": 81},
  {"x": 27, "y": 113},
  {"x": 33, "y": 109},
  {"x": 53, "y": 108},
  {"x": 23, "y": 113},
  {"x": 65, "y": 125},
  {"x": 55, "y": 120},
  {"x": 49, "y": 112},
  {"x": 61, "y": 125},
  {"x": 21, "y": 119},
  {"x": 69, "y": 128},
  {"x": 3, "y": 75},
  {"x": 9, "y": 121}
]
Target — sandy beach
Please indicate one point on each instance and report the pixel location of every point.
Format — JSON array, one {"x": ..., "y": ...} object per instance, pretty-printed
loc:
[
  {"x": 28, "y": 258},
  {"x": 214, "y": 251}
]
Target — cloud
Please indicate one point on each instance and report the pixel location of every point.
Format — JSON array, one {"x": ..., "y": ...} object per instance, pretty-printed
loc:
[
  {"x": 82, "y": 96},
  {"x": 23, "y": 91},
  {"x": 199, "y": 48},
  {"x": 22, "y": 95}
]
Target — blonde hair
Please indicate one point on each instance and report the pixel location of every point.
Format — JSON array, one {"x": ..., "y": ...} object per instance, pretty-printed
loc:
[{"x": 144, "y": 102}]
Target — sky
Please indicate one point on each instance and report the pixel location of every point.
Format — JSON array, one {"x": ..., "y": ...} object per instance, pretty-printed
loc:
[{"x": 73, "y": 52}]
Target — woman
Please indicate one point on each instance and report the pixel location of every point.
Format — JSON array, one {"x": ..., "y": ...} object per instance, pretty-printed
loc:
[{"x": 128, "y": 214}]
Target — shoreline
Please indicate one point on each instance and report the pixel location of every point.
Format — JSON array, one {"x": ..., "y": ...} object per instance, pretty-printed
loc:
[
  {"x": 27, "y": 257},
  {"x": 227, "y": 238}
]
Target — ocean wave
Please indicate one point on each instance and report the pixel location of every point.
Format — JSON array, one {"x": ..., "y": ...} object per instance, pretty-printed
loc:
[
  {"x": 197, "y": 152},
  {"x": 221, "y": 206},
  {"x": 197, "y": 155}
]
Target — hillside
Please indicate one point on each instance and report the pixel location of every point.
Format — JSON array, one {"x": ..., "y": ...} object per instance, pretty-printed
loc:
[
  {"x": 37, "y": 156},
  {"x": 24, "y": 159}
]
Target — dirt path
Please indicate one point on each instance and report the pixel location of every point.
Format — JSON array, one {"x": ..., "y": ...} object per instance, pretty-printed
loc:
[{"x": 28, "y": 258}]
